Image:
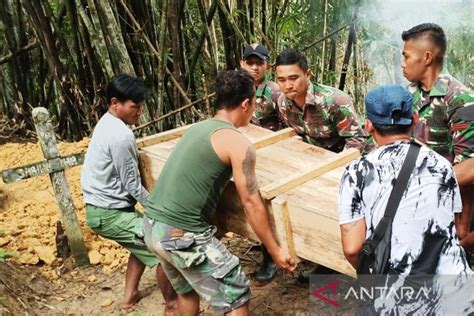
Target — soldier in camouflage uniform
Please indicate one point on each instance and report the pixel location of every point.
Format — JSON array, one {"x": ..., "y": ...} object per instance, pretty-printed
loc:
[
  {"x": 184, "y": 199},
  {"x": 322, "y": 115},
  {"x": 255, "y": 60},
  {"x": 445, "y": 105}
]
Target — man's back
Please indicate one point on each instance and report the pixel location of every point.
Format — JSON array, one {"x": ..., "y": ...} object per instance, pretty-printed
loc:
[
  {"x": 423, "y": 234},
  {"x": 192, "y": 180},
  {"x": 112, "y": 147}
]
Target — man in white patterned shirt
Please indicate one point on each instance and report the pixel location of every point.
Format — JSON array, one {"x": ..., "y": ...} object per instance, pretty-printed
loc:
[{"x": 423, "y": 240}]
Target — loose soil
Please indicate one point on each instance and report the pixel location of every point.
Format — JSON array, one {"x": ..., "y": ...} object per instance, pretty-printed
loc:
[{"x": 35, "y": 281}]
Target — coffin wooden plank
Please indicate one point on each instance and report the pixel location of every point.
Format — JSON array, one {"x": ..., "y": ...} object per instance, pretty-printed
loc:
[
  {"x": 283, "y": 228},
  {"x": 307, "y": 174},
  {"x": 162, "y": 137},
  {"x": 274, "y": 138},
  {"x": 311, "y": 206}
]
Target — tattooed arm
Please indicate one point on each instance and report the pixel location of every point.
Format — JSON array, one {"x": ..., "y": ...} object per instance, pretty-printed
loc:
[{"x": 242, "y": 157}]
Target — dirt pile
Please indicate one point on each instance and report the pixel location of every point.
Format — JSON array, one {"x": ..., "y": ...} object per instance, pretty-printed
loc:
[{"x": 29, "y": 213}]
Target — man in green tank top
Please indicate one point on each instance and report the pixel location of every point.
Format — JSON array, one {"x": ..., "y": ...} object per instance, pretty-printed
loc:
[{"x": 177, "y": 217}]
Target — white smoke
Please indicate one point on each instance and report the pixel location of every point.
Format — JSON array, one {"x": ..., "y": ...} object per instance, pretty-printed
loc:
[{"x": 383, "y": 21}]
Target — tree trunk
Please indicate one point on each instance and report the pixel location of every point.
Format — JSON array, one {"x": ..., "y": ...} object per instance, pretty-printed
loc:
[
  {"x": 70, "y": 117},
  {"x": 350, "y": 41},
  {"x": 173, "y": 27}
]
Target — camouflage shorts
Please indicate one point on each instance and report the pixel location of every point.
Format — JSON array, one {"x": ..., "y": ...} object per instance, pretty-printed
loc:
[{"x": 199, "y": 262}]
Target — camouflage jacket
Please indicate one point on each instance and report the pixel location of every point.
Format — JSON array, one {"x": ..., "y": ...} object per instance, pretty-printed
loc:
[
  {"x": 327, "y": 119},
  {"x": 446, "y": 118},
  {"x": 266, "y": 111}
]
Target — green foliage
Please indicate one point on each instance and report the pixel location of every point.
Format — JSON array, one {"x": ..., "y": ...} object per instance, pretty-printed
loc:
[
  {"x": 137, "y": 312},
  {"x": 3, "y": 255},
  {"x": 86, "y": 37},
  {"x": 460, "y": 56}
]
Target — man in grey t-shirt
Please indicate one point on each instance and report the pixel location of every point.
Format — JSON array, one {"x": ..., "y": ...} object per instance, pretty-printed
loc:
[{"x": 111, "y": 185}]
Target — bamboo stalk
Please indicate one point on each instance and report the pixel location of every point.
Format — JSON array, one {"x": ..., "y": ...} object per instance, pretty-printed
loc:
[
  {"x": 187, "y": 106},
  {"x": 138, "y": 29},
  {"x": 323, "y": 49},
  {"x": 160, "y": 55},
  {"x": 326, "y": 37},
  {"x": 206, "y": 92},
  {"x": 232, "y": 23},
  {"x": 92, "y": 25},
  {"x": 264, "y": 38},
  {"x": 200, "y": 42},
  {"x": 173, "y": 31},
  {"x": 350, "y": 40}
]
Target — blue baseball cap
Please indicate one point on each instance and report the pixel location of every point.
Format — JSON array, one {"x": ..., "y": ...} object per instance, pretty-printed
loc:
[{"x": 389, "y": 105}]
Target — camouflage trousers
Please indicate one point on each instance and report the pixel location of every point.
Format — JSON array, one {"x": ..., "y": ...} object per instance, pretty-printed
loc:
[{"x": 198, "y": 262}]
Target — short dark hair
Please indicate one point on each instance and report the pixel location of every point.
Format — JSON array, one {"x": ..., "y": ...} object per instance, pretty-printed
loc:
[
  {"x": 430, "y": 31},
  {"x": 389, "y": 130},
  {"x": 232, "y": 87},
  {"x": 124, "y": 87},
  {"x": 291, "y": 56}
]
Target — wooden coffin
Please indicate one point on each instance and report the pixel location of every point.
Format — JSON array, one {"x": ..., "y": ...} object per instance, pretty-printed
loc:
[{"x": 299, "y": 183}]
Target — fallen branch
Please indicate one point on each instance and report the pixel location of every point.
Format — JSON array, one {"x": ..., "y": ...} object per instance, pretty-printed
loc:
[{"x": 20, "y": 51}]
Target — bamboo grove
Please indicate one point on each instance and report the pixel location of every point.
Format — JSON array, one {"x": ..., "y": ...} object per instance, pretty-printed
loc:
[{"x": 59, "y": 54}]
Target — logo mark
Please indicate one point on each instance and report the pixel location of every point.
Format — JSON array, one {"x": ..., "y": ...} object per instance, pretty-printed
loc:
[{"x": 318, "y": 293}]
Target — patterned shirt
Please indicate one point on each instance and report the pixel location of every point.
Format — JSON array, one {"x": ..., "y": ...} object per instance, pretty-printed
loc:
[
  {"x": 423, "y": 233},
  {"x": 266, "y": 111},
  {"x": 446, "y": 118},
  {"x": 327, "y": 119}
]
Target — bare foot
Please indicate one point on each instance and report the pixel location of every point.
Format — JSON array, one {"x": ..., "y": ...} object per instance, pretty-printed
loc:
[
  {"x": 171, "y": 308},
  {"x": 134, "y": 299}
]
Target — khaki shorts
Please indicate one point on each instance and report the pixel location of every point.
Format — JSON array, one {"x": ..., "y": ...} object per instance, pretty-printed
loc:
[
  {"x": 122, "y": 227},
  {"x": 199, "y": 262}
]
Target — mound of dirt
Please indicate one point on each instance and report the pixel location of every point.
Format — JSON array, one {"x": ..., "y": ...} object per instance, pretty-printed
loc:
[{"x": 30, "y": 212}]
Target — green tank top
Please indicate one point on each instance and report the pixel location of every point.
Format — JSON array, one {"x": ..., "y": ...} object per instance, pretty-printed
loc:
[{"x": 191, "y": 181}]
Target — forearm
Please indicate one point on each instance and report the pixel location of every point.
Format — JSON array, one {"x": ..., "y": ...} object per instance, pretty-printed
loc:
[
  {"x": 468, "y": 242},
  {"x": 463, "y": 219},
  {"x": 125, "y": 163},
  {"x": 353, "y": 237},
  {"x": 353, "y": 260},
  {"x": 257, "y": 217}
]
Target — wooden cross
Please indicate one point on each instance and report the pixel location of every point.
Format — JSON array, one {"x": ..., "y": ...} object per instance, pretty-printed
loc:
[{"x": 54, "y": 165}]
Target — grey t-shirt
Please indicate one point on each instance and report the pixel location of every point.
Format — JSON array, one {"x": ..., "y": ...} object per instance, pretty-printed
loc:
[{"x": 110, "y": 177}]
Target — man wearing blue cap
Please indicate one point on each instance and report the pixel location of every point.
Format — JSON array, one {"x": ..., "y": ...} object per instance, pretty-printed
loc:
[
  {"x": 423, "y": 231},
  {"x": 423, "y": 237}
]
